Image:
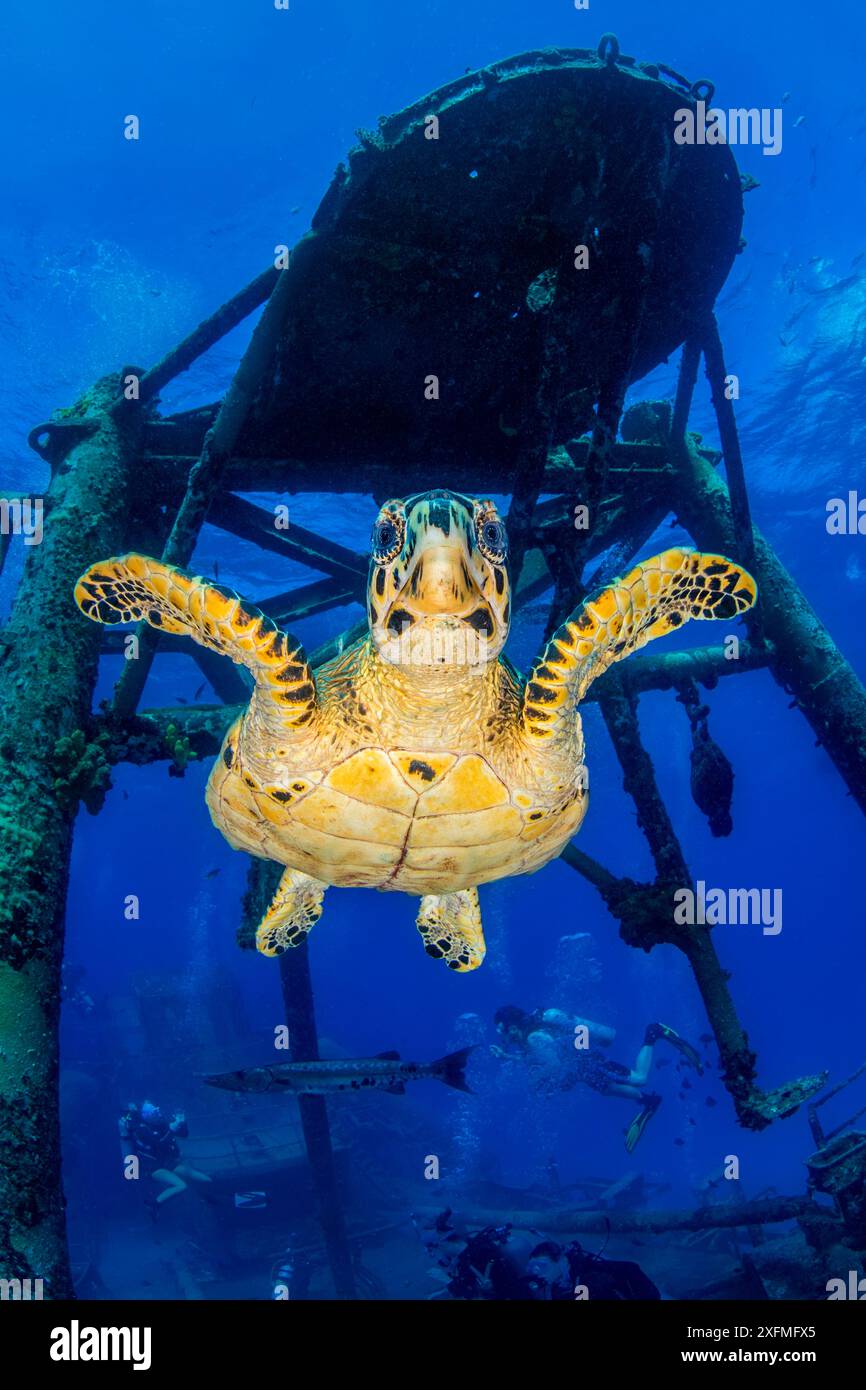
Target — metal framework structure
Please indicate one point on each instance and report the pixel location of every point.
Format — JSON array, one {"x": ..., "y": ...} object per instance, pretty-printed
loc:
[{"x": 448, "y": 229}]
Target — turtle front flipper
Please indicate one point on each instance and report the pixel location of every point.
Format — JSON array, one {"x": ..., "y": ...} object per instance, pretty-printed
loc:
[
  {"x": 450, "y": 925},
  {"x": 655, "y": 598},
  {"x": 297, "y": 906},
  {"x": 133, "y": 587}
]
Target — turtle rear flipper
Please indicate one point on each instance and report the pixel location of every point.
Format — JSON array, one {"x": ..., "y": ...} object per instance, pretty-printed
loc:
[
  {"x": 132, "y": 588},
  {"x": 450, "y": 924},
  {"x": 297, "y": 906},
  {"x": 655, "y": 598}
]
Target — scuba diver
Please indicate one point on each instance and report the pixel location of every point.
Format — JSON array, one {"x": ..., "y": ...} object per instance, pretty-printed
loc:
[
  {"x": 499, "y": 1263},
  {"x": 154, "y": 1142},
  {"x": 291, "y": 1272},
  {"x": 547, "y": 1040}
]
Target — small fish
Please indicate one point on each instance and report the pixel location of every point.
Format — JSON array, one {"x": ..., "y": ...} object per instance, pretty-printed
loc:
[
  {"x": 216, "y": 569},
  {"x": 212, "y": 873},
  {"x": 680, "y": 1143},
  {"x": 706, "y": 1038},
  {"x": 181, "y": 700},
  {"x": 126, "y": 796},
  {"x": 686, "y": 1084},
  {"x": 710, "y": 1102},
  {"x": 294, "y": 211},
  {"x": 785, "y": 96},
  {"x": 383, "y": 1073},
  {"x": 799, "y": 121},
  {"x": 691, "y": 1122}
]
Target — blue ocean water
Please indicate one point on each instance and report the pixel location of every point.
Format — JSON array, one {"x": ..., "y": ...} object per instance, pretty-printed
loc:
[{"x": 110, "y": 253}]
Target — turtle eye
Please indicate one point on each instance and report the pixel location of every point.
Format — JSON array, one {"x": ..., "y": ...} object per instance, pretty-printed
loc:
[
  {"x": 387, "y": 539},
  {"x": 492, "y": 540}
]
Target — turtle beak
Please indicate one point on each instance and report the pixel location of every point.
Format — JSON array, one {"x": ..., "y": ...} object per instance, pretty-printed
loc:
[
  {"x": 441, "y": 582},
  {"x": 441, "y": 589}
]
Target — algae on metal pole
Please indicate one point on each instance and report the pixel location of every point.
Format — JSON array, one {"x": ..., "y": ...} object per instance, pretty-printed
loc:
[{"x": 47, "y": 677}]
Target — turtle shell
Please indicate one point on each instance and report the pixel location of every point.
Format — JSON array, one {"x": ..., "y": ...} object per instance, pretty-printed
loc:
[{"x": 412, "y": 821}]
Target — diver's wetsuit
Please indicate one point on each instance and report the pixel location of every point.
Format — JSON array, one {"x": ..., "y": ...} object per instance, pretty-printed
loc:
[
  {"x": 154, "y": 1142},
  {"x": 548, "y": 1041},
  {"x": 502, "y": 1264},
  {"x": 550, "y": 1048}
]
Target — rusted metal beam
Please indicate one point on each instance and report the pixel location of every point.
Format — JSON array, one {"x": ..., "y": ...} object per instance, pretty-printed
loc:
[
  {"x": 209, "y": 332},
  {"x": 249, "y": 522},
  {"x": 167, "y": 465},
  {"x": 297, "y": 987},
  {"x": 48, "y": 670},
  {"x": 806, "y": 661},
  {"x": 206, "y": 475},
  {"x": 308, "y": 599},
  {"x": 714, "y": 358},
  {"x": 762, "y": 1211},
  {"x": 300, "y": 1015}
]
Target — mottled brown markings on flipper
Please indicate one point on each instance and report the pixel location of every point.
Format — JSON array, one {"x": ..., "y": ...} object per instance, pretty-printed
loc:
[
  {"x": 297, "y": 696},
  {"x": 542, "y": 693}
]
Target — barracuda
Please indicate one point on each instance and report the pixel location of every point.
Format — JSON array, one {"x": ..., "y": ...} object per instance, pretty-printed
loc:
[{"x": 386, "y": 1072}]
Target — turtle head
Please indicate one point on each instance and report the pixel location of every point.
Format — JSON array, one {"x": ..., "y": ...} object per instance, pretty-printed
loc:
[{"x": 438, "y": 594}]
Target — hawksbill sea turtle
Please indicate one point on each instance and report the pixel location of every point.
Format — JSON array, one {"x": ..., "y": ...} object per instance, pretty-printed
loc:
[{"x": 419, "y": 760}]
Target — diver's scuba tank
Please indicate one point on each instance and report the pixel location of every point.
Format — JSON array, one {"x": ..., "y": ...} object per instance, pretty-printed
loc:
[{"x": 291, "y": 1272}]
